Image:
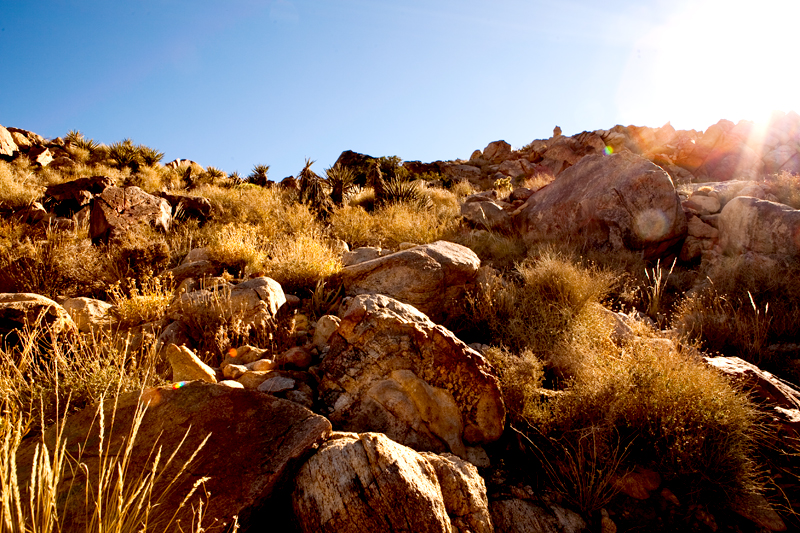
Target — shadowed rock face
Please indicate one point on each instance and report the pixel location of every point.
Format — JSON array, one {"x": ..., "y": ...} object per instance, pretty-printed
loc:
[
  {"x": 616, "y": 202},
  {"x": 390, "y": 369},
  {"x": 256, "y": 442}
]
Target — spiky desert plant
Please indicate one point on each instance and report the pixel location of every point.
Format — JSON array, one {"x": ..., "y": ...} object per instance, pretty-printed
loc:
[
  {"x": 341, "y": 181},
  {"x": 378, "y": 184},
  {"x": 149, "y": 156},
  {"x": 258, "y": 176},
  {"x": 398, "y": 191},
  {"x": 77, "y": 138},
  {"x": 312, "y": 188},
  {"x": 124, "y": 154}
]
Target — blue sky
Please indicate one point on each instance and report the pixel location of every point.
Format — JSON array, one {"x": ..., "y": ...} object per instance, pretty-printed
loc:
[{"x": 244, "y": 82}]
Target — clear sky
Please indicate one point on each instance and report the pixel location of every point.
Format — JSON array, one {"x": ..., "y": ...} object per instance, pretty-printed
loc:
[{"x": 237, "y": 83}]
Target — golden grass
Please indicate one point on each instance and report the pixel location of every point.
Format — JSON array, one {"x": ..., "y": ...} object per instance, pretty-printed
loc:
[
  {"x": 299, "y": 262},
  {"x": 145, "y": 301},
  {"x": 391, "y": 225}
]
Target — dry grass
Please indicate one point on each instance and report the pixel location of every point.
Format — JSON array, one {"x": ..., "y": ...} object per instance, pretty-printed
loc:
[
  {"x": 391, "y": 225},
  {"x": 19, "y": 186},
  {"x": 138, "y": 303},
  {"x": 299, "y": 262},
  {"x": 495, "y": 249}
]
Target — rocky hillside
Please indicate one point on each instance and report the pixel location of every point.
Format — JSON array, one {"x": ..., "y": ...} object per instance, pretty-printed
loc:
[{"x": 591, "y": 333}]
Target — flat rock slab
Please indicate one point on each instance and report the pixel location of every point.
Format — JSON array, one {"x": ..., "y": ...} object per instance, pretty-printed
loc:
[
  {"x": 747, "y": 224},
  {"x": 256, "y": 443}
]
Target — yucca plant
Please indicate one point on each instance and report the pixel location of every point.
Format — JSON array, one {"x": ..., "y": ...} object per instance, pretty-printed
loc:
[
  {"x": 258, "y": 176},
  {"x": 399, "y": 191},
  {"x": 77, "y": 138},
  {"x": 341, "y": 180},
  {"x": 124, "y": 154},
  {"x": 149, "y": 156},
  {"x": 312, "y": 189}
]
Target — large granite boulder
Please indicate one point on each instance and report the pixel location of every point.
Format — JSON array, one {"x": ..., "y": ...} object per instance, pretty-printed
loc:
[
  {"x": 367, "y": 482},
  {"x": 431, "y": 277},
  {"x": 616, "y": 202},
  {"x": 391, "y": 369},
  {"x": 255, "y": 445},
  {"x": 747, "y": 224},
  {"x": 117, "y": 209},
  {"x": 69, "y": 197}
]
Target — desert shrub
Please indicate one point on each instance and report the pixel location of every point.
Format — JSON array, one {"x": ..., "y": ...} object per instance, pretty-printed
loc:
[
  {"x": 744, "y": 307},
  {"x": 143, "y": 253},
  {"x": 139, "y": 302},
  {"x": 237, "y": 247},
  {"x": 538, "y": 180},
  {"x": 125, "y": 154},
  {"x": 244, "y": 205},
  {"x": 19, "y": 187},
  {"x": 53, "y": 264},
  {"x": 521, "y": 379},
  {"x": 462, "y": 189},
  {"x": 661, "y": 410},
  {"x": 542, "y": 308},
  {"x": 785, "y": 186},
  {"x": 495, "y": 249}
]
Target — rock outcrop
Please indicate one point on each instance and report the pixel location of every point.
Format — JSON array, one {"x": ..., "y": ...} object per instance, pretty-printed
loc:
[
  {"x": 391, "y": 369},
  {"x": 20, "y": 312}
]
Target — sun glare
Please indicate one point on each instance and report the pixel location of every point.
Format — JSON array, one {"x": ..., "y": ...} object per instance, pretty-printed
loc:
[{"x": 713, "y": 59}]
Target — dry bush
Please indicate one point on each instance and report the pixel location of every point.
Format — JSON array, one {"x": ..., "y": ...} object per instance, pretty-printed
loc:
[
  {"x": 53, "y": 264},
  {"x": 785, "y": 186},
  {"x": 538, "y": 180},
  {"x": 145, "y": 301},
  {"x": 542, "y": 308},
  {"x": 244, "y": 204},
  {"x": 745, "y": 306},
  {"x": 667, "y": 412},
  {"x": 521, "y": 378},
  {"x": 143, "y": 253},
  {"x": 238, "y": 247},
  {"x": 462, "y": 188}
]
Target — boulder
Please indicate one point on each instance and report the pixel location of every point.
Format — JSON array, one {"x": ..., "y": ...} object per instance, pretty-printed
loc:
[
  {"x": 462, "y": 172},
  {"x": 391, "y": 369},
  {"x": 497, "y": 151},
  {"x": 622, "y": 201},
  {"x": 7, "y": 145},
  {"x": 325, "y": 327},
  {"x": 463, "y": 492},
  {"x": 186, "y": 366},
  {"x": 89, "y": 315},
  {"x": 432, "y": 277},
  {"x": 116, "y": 209},
  {"x": 748, "y": 224},
  {"x": 364, "y": 253},
  {"x": 40, "y": 155},
  {"x": 243, "y": 475},
  {"x": 486, "y": 214},
  {"x": 197, "y": 270},
  {"x": 69, "y": 197},
  {"x": 367, "y": 482},
  {"x": 254, "y": 302},
  {"x": 778, "y": 397},
  {"x": 185, "y": 206},
  {"x": 22, "y": 310}
]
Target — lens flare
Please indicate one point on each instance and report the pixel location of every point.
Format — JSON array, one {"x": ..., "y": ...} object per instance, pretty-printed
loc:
[
  {"x": 651, "y": 225},
  {"x": 608, "y": 150},
  {"x": 179, "y": 384}
]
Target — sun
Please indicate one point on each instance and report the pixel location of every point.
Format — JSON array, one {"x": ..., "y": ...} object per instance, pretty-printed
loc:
[{"x": 714, "y": 59}]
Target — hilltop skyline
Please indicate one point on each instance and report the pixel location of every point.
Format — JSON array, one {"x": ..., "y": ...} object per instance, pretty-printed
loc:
[{"x": 276, "y": 81}]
